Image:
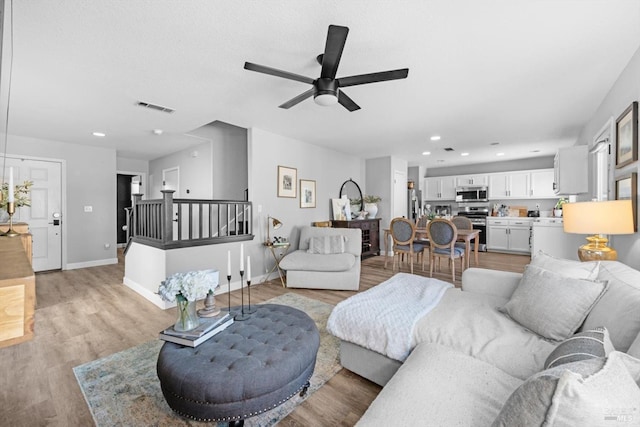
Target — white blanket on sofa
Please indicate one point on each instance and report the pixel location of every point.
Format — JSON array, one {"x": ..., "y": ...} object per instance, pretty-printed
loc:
[{"x": 382, "y": 318}]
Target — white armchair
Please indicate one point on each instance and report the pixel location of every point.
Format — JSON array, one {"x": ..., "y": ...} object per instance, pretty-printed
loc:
[{"x": 326, "y": 258}]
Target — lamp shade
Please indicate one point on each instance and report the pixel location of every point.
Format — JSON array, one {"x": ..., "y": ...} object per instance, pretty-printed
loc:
[
  {"x": 276, "y": 223},
  {"x": 606, "y": 217}
]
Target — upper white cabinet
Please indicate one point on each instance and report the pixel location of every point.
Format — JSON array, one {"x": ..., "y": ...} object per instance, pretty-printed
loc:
[
  {"x": 464, "y": 180},
  {"x": 440, "y": 188},
  {"x": 570, "y": 170},
  {"x": 509, "y": 185},
  {"x": 542, "y": 184}
]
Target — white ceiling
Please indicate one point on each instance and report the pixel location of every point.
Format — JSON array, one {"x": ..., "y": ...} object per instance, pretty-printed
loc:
[{"x": 525, "y": 74}]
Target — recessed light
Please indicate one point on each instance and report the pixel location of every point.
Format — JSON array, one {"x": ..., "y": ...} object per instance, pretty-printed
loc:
[
  {"x": 464, "y": 154},
  {"x": 157, "y": 131},
  {"x": 435, "y": 138},
  {"x": 426, "y": 153},
  {"x": 100, "y": 134},
  {"x": 499, "y": 154}
]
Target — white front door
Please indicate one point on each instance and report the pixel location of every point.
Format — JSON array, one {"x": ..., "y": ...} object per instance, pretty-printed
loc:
[{"x": 45, "y": 214}]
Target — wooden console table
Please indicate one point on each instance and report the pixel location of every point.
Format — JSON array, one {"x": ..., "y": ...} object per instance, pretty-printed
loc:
[
  {"x": 17, "y": 293},
  {"x": 23, "y": 229},
  {"x": 370, "y": 234}
]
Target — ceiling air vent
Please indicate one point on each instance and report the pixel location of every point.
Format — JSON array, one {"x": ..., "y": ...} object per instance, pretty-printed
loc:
[
  {"x": 448, "y": 149},
  {"x": 156, "y": 107}
]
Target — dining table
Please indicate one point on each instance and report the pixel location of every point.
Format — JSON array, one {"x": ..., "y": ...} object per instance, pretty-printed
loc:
[{"x": 464, "y": 235}]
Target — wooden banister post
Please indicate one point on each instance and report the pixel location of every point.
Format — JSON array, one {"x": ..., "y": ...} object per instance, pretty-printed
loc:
[
  {"x": 136, "y": 199},
  {"x": 167, "y": 215}
]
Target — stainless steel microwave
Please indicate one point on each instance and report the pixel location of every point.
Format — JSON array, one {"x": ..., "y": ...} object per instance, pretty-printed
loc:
[{"x": 475, "y": 193}]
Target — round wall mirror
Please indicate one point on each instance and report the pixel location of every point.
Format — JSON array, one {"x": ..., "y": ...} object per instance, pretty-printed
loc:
[{"x": 352, "y": 190}]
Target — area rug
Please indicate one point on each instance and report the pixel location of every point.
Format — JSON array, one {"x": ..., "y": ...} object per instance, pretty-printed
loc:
[{"x": 123, "y": 389}]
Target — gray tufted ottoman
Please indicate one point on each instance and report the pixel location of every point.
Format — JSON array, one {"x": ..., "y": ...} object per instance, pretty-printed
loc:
[{"x": 252, "y": 366}]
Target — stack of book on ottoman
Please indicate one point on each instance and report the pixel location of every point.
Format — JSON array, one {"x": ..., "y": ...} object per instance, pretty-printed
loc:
[{"x": 207, "y": 328}]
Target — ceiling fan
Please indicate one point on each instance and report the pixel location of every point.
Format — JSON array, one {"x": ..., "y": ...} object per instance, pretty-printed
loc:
[{"x": 326, "y": 89}]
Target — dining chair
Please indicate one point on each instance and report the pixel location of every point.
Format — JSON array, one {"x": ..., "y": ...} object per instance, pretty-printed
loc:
[
  {"x": 442, "y": 234},
  {"x": 403, "y": 234},
  {"x": 462, "y": 223},
  {"x": 421, "y": 237}
]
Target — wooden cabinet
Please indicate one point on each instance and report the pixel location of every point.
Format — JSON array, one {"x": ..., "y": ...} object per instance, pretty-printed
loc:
[
  {"x": 370, "y": 234},
  {"x": 440, "y": 188},
  {"x": 509, "y": 235},
  {"x": 571, "y": 170},
  {"x": 463, "y": 180},
  {"x": 17, "y": 293}
]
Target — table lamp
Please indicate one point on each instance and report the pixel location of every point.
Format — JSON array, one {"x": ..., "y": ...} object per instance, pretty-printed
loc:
[
  {"x": 276, "y": 223},
  {"x": 599, "y": 219}
]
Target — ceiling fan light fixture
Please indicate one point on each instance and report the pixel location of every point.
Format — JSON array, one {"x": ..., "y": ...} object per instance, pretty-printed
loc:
[
  {"x": 326, "y": 93},
  {"x": 326, "y": 99}
]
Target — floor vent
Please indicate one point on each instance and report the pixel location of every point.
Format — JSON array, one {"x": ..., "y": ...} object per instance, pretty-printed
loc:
[
  {"x": 156, "y": 107},
  {"x": 448, "y": 149}
]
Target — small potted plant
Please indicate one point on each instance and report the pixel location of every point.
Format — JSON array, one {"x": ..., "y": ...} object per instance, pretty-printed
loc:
[
  {"x": 371, "y": 204},
  {"x": 557, "y": 210}
]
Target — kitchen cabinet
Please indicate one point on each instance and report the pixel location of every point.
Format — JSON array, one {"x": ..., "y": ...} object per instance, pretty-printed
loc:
[
  {"x": 509, "y": 235},
  {"x": 542, "y": 184},
  {"x": 464, "y": 180},
  {"x": 509, "y": 185},
  {"x": 570, "y": 170},
  {"x": 440, "y": 188}
]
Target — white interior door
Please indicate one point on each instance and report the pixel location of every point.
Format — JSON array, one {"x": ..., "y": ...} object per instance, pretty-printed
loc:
[
  {"x": 399, "y": 194},
  {"x": 45, "y": 214},
  {"x": 171, "y": 181}
]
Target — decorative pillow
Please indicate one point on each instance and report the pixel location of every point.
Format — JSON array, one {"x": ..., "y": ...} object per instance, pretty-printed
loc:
[
  {"x": 566, "y": 267},
  {"x": 618, "y": 310},
  {"x": 583, "y": 345},
  {"x": 586, "y": 393},
  {"x": 326, "y": 245},
  {"x": 552, "y": 305}
]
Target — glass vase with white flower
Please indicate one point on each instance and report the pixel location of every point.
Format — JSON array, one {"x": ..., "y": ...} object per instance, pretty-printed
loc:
[{"x": 185, "y": 289}]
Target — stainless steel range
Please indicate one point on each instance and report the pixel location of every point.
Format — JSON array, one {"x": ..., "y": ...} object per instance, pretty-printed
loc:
[{"x": 477, "y": 213}]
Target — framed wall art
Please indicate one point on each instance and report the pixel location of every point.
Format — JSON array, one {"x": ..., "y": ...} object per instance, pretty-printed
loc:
[
  {"x": 627, "y": 136},
  {"x": 287, "y": 182},
  {"x": 341, "y": 209},
  {"x": 307, "y": 193},
  {"x": 627, "y": 188}
]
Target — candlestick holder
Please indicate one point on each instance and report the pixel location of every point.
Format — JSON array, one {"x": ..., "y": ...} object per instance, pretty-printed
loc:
[
  {"x": 210, "y": 308},
  {"x": 242, "y": 315},
  {"x": 229, "y": 294},
  {"x": 250, "y": 310},
  {"x": 11, "y": 209}
]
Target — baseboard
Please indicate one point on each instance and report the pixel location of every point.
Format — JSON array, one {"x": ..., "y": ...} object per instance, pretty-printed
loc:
[
  {"x": 159, "y": 302},
  {"x": 146, "y": 293},
  {"x": 96, "y": 263}
]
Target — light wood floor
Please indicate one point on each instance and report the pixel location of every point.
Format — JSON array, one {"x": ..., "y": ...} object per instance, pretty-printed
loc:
[{"x": 86, "y": 314}]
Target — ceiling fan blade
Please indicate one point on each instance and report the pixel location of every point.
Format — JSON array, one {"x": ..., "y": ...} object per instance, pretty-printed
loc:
[
  {"x": 278, "y": 73},
  {"x": 347, "y": 102},
  {"x": 290, "y": 103},
  {"x": 336, "y": 38},
  {"x": 373, "y": 77}
]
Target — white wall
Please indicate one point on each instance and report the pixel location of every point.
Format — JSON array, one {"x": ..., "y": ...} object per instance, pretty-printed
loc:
[
  {"x": 88, "y": 183},
  {"x": 625, "y": 90},
  {"x": 328, "y": 168}
]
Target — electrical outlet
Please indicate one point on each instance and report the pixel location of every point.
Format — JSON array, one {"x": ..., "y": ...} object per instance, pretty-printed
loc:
[
  {"x": 88, "y": 208},
  {"x": 537, "y": 206}
]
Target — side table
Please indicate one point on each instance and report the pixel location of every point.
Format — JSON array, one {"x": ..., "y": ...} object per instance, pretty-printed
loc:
[{"x": 278, "y": 251}]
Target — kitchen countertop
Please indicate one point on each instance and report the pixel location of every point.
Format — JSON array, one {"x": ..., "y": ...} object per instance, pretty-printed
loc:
[{"x": 489, "y": 218}]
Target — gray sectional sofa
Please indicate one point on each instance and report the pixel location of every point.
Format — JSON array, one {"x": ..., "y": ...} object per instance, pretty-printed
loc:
[{"x": 558, "y": 345}]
